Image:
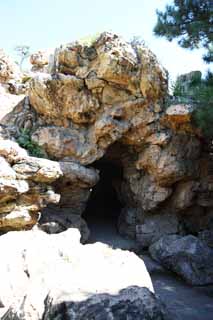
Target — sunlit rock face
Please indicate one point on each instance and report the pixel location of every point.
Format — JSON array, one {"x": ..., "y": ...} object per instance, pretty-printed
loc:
[
  {"x": 92, "y": 281},
  {"x": 25, "y": 186},
  {"x": 107, "y": 102},
  {"x": 39, "y": 60},
  {"x": 97, "y": 95},
  {"x": 8, "y": 69}
]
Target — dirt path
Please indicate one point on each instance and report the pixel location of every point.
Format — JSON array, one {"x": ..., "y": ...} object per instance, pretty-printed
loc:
[{"x": 183, "y": 301}]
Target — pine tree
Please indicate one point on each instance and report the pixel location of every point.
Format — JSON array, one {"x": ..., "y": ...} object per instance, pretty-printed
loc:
[{"x": 190, "y": 22}]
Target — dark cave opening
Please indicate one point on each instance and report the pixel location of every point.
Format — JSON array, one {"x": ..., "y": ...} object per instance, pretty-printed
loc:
[{"x": 104, "y": 207}]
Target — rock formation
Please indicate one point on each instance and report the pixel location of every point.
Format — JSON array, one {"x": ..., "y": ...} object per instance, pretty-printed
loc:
[
  {"x": 48, "y": 272},
  {"x": 8, "y": 69},
  {"x": 188, "y": 256},
  {"x": 39, "y": 60},
  {"x": 107, "y": 101},
  {"x": 25, "y": 186},
  {"x": 104, "y": 104}
]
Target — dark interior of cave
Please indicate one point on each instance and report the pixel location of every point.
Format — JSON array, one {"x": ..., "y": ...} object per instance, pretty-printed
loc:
[{"x": 103, "y": 207}]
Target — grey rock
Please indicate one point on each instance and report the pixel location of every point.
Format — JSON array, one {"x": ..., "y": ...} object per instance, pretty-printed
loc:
[
  {"x": 36, "y": 265},
  {"x": 207, "y": 237},
  {"x": 132, "y": 303},
  {"x": 187, "y": 256},
  {"x": 55, "y": 221},
  {"x": 154, "y": 227}
]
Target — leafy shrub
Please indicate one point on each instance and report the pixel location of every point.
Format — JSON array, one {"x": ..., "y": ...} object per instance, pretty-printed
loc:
[
  {"x": 89, "y": 40},
  {"x": 199, "y": 92},
  {"x": 25, "y": 141},
  {"x": 203, "y": 114}
]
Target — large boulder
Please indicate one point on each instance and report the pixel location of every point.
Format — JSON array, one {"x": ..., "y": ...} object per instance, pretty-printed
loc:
[
  {"x": 187, "y": 256},
  {"x": 42, "y": 272}
]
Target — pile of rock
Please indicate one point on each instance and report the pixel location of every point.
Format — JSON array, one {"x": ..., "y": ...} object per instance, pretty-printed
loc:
[
  {"x": 56, "y": 277},
  {"x": 107, "y": 101}
]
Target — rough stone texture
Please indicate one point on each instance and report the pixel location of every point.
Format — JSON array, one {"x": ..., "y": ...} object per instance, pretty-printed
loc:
[
  {"x": 75, "y": 187},
  {"x": 172, "y": 163},
  {"x": 207, "y": 237},
  {"x": 25, "y": 186},
  {"x": 41, "y": 268},
  {"x": 8, "y": 101},
  {"x": 39, "y": 60},
  {"x": 132, "y": 303},
  {"x": 118, "y": 96},
  {"x": 106, "y": 101},
  {"x": 187, "y": 256},
  {"x": 154, "y": 227},
  {"x": 55, "y": 221},
  {"x": 178, "y": 117},
  {"x": 8, "y": 69}
]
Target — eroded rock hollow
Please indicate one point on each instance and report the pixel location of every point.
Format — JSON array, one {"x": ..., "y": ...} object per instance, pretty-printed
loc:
[{"x": 101, "y": 115}]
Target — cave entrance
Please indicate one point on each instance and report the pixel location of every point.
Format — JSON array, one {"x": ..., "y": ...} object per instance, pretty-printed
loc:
[{"x": 104, "y": 206}]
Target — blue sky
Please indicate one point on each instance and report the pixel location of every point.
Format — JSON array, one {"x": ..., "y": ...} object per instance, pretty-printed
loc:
[{"x": 44, "y": 24}]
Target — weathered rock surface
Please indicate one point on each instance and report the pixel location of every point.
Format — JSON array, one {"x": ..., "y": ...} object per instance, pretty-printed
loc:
[
  {"x": 8, "y": 101},
  {"x": 43, "y": 272},
  {"x": 39, "y": 60},
  {"x": 100, "y": 93},
  {"x": 187, "y": 256},
  {"x": 8, "y": 69},
  {"x": 25, "y": 186},
  {"x": 131, "y": 303},
  {"x": 106, "y": 101},
  {"x": 207, "y": 237},
  {"x": 154, "y": 227}
]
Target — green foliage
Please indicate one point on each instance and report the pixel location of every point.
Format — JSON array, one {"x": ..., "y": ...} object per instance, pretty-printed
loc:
[
  {"x": 203, "y": 115},
  {"x": 26, "y": 78},
  {"x": 199, "y": 93},
  {"x": 177, "y": 89},
  {"x": 24, "y": 140},
  {"x": 89, "y": 40},
  {"x": 190, "y": 21}
]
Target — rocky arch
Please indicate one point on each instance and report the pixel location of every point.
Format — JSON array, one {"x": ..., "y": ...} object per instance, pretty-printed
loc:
[{"x": 107, "y": 101}]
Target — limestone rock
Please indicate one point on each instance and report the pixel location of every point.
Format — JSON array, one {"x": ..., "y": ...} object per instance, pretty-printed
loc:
[
  {"x": 154, "y": 227},
  {"x": 171, "y": 163},
  {"x": 56, "y": 221},
  {"x": 97, "y": 95},
  {"x": 39, "y": 265},
  {"x": 25, "y": 186},
  {"x": 179, "y": 118},
  {"x": 8, "y": 69},
  {"x": 188, "y": 256},
  {"x": 38, "y": 60},
  {"x": 183, "y": 196},
  {"x": 8, "y": 101},
  {"x": 105, "y": 101},
  {"x": 130, "y": 303}
]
